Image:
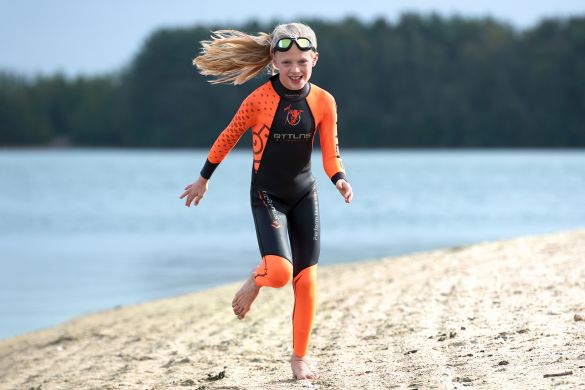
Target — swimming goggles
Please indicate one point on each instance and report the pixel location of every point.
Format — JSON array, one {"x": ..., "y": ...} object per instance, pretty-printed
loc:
[{"x": 304, "y": 44}]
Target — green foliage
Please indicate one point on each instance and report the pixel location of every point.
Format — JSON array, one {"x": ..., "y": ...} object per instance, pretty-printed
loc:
[
  {"x": 21, "y": 119},
  {"x": 425, "y": 81}
]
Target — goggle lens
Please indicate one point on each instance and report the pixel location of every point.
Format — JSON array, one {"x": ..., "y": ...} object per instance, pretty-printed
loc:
[
  {"x": 303, "y": 44},
  {"x": 284, "y": 43}
]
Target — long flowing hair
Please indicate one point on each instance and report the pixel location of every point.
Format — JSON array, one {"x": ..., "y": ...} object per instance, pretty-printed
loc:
[{"x": 232, "y": 56}]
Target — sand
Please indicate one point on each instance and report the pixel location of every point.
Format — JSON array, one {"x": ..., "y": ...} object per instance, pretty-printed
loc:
[{"x": 502, "y": 315}]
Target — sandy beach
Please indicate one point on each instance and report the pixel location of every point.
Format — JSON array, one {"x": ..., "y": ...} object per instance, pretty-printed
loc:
[{"x": 501, "y": 315}]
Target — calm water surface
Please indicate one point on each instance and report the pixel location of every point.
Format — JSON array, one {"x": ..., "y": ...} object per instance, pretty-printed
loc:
[{"x": 85, "y": 230}]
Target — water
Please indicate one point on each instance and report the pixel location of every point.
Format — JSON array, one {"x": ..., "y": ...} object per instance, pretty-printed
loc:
[{"x": 85, "y": 230}]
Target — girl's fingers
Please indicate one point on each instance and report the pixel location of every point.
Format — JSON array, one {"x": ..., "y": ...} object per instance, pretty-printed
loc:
[
  {"x": 194, "y": 192},
  {"x": 347, "y": 193},
  {"x": 349, "y": 197},
  {"x": 193, "y": 197}
]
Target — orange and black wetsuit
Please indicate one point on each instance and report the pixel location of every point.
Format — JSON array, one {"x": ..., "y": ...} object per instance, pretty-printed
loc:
[{"x": 283, "y": 191}]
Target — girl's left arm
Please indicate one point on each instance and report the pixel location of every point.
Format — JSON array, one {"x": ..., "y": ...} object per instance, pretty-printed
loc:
[{"x": 330, "y": 149}]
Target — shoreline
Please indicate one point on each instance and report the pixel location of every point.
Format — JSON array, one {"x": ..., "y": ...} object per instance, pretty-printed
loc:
[{"x": 504, "y": 314}]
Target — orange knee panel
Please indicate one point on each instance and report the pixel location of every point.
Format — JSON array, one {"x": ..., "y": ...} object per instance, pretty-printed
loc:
[
  {"x": 274, "y": 271},
  {"x": 305, "y": 287}
]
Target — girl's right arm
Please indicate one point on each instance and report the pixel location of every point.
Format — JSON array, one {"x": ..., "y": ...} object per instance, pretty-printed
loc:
[
  {"x": 229, "y": 137},
  {"x": 195, "y": 192}
]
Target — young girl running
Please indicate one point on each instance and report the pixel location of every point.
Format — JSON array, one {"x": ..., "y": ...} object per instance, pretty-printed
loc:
[{"x": 284, "y": 115}]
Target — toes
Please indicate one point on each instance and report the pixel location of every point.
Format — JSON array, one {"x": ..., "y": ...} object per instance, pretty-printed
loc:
[
  {"x": 301, "y": 376},
  {"x": 302, "y": 370},
  {"x": 239, "y": 302},
  {"x": 244, "y": 311},
  {"x": 241, "y": 311}
]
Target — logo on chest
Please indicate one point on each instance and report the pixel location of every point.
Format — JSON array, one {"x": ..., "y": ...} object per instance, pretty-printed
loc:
[
  {"x": 292, "y": 137},
  {"x": 293, "y": 117}
]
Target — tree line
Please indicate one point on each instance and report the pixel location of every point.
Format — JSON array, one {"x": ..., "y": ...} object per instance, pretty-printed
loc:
[{"x": 423, "y": 81}]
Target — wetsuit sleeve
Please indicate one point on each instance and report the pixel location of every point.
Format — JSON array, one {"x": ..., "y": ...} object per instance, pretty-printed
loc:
[
  {"x": 329, "y": 144},
  {"x": 229, "y": 137}
]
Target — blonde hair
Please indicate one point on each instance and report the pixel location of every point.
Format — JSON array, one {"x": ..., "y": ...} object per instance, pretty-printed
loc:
[{"x": 235, "y": 57}]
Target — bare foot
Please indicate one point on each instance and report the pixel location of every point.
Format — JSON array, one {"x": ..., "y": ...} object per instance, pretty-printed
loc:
[
  {"x": 301, "y": 368},
  {"x": 245, "y": 296}
]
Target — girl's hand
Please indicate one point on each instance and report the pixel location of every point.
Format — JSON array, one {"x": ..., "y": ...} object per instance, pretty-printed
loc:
[
  {"x": 345, "y": 190},
  {"x": 195, "y": 191}
]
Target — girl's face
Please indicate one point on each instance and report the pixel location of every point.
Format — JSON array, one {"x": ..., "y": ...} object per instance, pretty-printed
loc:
[{"x": 295, "y": 66}]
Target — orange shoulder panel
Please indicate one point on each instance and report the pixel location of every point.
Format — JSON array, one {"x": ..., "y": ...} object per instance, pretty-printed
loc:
[
  {"x": 247, "y": 116},
  {"x": 324, "y": 110},
  {"x": 266, "y": 103}
]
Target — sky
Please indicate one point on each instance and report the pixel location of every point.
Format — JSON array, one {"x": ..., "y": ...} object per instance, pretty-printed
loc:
[{"x": 96, "y": 37}]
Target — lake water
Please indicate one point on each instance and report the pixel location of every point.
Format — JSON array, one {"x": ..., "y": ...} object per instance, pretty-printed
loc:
[{"x": 85, "y": 230}]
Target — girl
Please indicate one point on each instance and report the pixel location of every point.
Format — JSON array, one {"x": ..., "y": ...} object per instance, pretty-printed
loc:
[{"x": 284, "y": 114}]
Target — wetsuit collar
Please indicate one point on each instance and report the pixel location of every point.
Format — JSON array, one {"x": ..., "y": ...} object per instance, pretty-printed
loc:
[{"x": 289, "y": 94}]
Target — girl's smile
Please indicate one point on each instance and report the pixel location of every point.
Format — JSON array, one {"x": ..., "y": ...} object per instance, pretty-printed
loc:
[{"x": 295, "y": 67}]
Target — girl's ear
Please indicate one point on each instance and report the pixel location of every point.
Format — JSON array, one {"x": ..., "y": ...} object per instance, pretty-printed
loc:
[
  {"x": 315, "y": 58},
  {"x": 274, "y": 66}
]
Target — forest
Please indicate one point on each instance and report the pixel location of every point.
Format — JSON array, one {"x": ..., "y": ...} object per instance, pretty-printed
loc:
[{"x": 423, "y": 81}]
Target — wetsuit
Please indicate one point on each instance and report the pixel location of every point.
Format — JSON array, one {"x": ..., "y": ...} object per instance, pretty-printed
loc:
[{"x": 283, "y": 191}]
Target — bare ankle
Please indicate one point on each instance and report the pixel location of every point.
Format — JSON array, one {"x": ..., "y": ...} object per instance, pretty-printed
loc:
[
  {"x": 302, "y": 368},
  {"x": 252, "y": 281}
]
